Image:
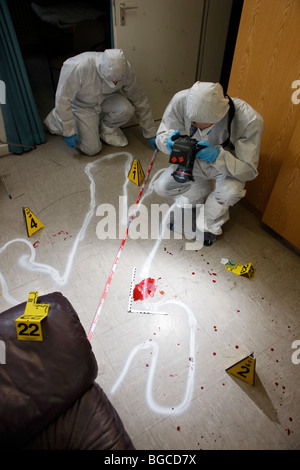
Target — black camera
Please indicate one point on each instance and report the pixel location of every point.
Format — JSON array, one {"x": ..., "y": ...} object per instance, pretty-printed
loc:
[{"x": 184, "y": 153}]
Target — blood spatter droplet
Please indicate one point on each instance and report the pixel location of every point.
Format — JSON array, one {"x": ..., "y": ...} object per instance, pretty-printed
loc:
[{"x": 144, "y": 289}]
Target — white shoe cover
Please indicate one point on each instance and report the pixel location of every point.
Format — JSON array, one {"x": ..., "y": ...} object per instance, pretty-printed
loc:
[{"x": 115, "y": 138}]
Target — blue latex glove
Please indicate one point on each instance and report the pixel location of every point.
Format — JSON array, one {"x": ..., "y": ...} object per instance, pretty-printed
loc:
[
  {"x": 152, "y": 142},
  {"x": 209, "y": 153},
  {"x": 73, "y": 141},
  {"x": 170, "y": 142}
]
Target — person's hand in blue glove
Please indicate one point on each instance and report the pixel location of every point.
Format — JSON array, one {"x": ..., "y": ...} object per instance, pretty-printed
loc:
[
  {"x": 152, "y": 142},
  {"x": 170, "y": 141},
  {"x": 73, "y": 141},
  {"x": 209, "y": 153}
]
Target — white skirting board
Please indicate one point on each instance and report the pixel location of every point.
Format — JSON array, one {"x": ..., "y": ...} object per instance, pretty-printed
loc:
[{"x": 4, "y": 150}]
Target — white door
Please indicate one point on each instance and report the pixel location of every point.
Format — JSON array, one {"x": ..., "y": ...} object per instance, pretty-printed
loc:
[{"x": 160, "y": 39}]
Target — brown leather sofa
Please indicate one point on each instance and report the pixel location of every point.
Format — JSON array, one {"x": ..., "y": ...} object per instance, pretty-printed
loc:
[{"x": 49, "y": 399}]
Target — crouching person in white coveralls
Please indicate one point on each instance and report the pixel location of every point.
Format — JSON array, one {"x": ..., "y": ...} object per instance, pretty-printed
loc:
[
  {"x": 97, "y": 93},
  {"x": 230, "y": 131}
]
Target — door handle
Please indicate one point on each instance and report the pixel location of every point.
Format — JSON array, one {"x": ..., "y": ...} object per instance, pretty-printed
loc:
[{"x": 123, "y": 9}]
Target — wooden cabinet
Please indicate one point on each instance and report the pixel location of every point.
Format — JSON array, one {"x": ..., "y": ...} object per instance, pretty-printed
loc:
[
  {"x": 266, "y": 73},
  {"x": 282, "y": 213}
]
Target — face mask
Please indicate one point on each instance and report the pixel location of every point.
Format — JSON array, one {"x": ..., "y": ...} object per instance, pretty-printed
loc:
[{"x": 207, "y": 130}]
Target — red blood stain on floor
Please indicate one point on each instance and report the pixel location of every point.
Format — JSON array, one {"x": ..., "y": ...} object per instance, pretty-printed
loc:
[
  {"x": 65, "y": 235},
  {"x": 144, "y": 289}
]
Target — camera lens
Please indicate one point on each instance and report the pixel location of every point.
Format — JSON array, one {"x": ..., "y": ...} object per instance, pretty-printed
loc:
[{"x": 183, "y": 174}]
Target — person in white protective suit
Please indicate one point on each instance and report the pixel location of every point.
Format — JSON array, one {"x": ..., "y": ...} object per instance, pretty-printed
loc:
[
  {"x": 97, "y": 93},
  {"x": 230, "y": 131}
]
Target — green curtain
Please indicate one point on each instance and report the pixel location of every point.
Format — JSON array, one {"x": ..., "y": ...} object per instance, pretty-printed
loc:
[{"x": 21, "y": 120}]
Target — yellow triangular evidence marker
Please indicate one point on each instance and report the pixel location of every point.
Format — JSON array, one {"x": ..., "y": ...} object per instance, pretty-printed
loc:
[
  {"x": 33, "y": 224},
  {"x": 242, "y": 269},
  {"x": 136, "y": 174},
  {"x": 29, "y": 325},
  {"x": 244, "y": 369}
]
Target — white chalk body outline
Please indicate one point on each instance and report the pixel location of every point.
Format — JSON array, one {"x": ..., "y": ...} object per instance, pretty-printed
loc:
[{"x": 28, "y": 262}]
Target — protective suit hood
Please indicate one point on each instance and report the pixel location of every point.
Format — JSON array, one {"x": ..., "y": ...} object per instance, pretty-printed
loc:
[
  {"x": 112, "y": 65},
  {"x": 206, "y": 103}
]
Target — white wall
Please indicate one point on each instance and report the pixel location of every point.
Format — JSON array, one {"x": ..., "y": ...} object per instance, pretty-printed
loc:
[{"x": 213, "y": 40}]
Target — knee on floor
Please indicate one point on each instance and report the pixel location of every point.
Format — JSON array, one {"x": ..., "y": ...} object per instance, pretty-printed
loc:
[{"x": 91, "y": 149}]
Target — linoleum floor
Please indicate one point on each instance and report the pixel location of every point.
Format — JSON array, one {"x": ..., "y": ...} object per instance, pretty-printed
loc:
[{"x": 164, "y": 373}]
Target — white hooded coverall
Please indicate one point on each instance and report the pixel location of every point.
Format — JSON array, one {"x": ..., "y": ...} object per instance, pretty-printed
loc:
[
  {"x": 87, "y": 102},
  {"x": 205, "y": 103}
]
